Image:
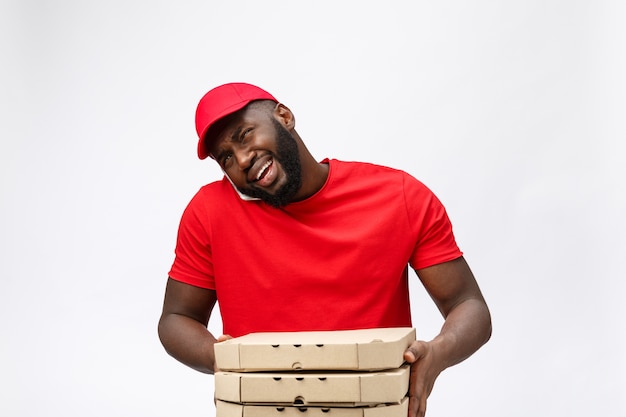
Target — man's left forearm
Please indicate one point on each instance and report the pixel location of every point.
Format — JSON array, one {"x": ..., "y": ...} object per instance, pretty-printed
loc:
[{"x": 466, "y": 328}]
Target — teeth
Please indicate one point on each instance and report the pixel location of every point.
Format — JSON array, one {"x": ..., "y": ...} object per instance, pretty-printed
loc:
[{"x": 263, "y": 168}]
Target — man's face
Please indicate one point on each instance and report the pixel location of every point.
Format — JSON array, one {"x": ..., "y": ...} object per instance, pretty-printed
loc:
[{"x": 260, "y": 156}]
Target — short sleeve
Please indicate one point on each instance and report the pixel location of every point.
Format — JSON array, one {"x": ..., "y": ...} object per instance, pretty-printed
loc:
[
  {"x": 193, "y": 262},
  {"x": 435, "y": 242}
]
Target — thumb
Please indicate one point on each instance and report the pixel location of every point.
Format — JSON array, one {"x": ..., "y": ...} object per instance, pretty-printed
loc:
[
  {"x": 224, "y": 337},
  {"x": 413, "y": 352}
]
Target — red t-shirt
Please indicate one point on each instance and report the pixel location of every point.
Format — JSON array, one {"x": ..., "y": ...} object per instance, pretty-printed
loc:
[{"x": 335, "y": 261}]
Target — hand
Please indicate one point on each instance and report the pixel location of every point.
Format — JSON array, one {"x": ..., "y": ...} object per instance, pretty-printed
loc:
[
  {"x": 424, "y": 372},
  {"x": 222, "y": 338}
]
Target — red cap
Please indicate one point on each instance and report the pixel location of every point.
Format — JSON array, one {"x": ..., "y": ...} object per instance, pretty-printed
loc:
[{"x": 222, "y": 101}]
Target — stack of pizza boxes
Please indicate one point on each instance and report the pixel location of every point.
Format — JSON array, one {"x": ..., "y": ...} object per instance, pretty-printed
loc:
[{"x": 347, "y": 373}]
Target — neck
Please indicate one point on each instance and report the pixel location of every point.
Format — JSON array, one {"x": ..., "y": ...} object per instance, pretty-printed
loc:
[{"x": 314, "y": 174}]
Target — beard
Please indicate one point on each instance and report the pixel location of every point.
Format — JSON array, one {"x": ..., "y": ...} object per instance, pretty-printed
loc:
[{"x": 288, "y": 157}]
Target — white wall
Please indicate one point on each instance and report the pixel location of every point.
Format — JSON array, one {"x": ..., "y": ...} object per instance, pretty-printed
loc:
[{"x": 513, "y": 112}]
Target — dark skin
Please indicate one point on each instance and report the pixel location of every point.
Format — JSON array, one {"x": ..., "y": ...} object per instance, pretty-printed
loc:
[
  {"x": 248, "y": 142},
  {"x": 244, "y": 148}
]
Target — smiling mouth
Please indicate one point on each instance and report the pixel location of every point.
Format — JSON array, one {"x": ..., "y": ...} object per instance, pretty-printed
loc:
[{"x": 263, "y": 170}]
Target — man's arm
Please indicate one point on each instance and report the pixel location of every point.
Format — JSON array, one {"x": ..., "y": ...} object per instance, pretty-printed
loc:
[
  {"x": 183, "y": 325},
  {"x": 467, "y": 327}
]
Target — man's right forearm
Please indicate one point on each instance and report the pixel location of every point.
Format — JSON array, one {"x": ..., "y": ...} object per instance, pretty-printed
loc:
[{"x": 188, "y": 341}]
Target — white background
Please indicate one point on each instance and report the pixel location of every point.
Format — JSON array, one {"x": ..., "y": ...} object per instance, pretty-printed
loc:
[{"x": 514, "y": 113}]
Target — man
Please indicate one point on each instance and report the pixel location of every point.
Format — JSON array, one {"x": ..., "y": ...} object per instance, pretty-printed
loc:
[{"x": 287, "y": 243}]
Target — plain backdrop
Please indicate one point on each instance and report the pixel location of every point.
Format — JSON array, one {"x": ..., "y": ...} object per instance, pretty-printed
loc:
[{"x": 514, "y": 113}]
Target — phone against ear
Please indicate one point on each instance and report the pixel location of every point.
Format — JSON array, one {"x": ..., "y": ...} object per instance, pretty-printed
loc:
[{"x": 239, "y": 193}]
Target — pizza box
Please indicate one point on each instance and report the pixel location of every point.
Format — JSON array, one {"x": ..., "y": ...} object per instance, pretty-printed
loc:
[
  {"x": 365, "y": 349},
  {"x": 313, "y": 388},
  {"x": 226, "y": 409}
]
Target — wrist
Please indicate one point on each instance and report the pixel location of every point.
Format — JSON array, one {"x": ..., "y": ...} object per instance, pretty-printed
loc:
[{"x": 442, "y": 348}]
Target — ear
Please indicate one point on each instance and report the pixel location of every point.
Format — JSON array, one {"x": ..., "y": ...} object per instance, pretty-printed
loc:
[{"x": 285, "y": 116}]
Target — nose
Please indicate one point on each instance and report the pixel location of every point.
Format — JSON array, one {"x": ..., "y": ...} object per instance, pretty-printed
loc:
[{"x": 243, "y": 155}]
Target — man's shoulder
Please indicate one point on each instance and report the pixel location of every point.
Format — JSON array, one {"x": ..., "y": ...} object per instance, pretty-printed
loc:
[
  {"x": 208, "y": 194},
  {"x": 372, "y": 176},
  {"x": 352, "y": 165},
  {"x": 213, "y": 188},
  {"x": 368, "y": 169}
]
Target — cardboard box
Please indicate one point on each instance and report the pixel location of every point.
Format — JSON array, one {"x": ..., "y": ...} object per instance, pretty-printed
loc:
[
  {"x": 367, "y": 349},
  {"x": 226, "y": 409},
  {"x": 314, "y": 388}
]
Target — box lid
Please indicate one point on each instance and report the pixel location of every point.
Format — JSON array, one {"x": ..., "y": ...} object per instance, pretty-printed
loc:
[
  {"x": 226, "y": 409},
  {"x": 365, "y": 349},
  {"x": 313, "y": 388}
]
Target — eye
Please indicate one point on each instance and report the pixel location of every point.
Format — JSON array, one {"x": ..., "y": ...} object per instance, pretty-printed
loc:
[
  {"x": 245, "y": 135},
  {"x": 226, "y": 158}
]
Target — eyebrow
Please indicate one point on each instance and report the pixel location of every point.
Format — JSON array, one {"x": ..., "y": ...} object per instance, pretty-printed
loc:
[
  {"x": 233, "y": 138},
  {"x": 236, "y": 133},
  {"x": 218, "y": 156}
]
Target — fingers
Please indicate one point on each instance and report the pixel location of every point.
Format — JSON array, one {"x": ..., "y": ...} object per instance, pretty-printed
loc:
[
  {"x": 417, "y": 355},
  {"x": 417, "y": 399},
  {"x": 417, "y": 406},
  {"x": 417, "y": 391},
  {"x": 224, "y": 337}
]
